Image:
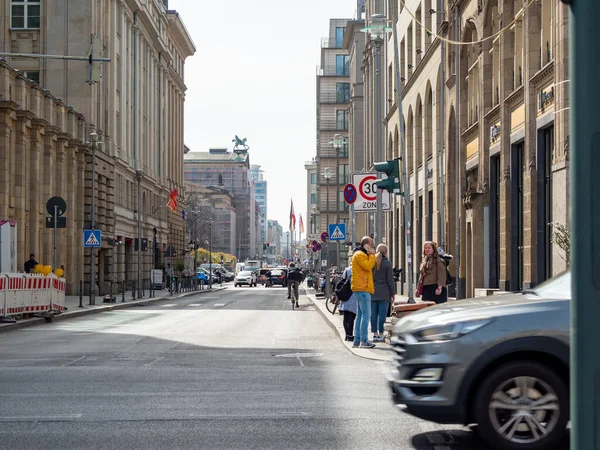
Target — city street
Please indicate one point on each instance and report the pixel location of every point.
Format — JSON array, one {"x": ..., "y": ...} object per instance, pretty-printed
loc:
[{"x": 233, "y": 369}]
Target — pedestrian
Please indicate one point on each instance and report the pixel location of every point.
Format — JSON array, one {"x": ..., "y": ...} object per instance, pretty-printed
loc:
[
  {"x": 349, "y": 307},
  {"x": 363, "y": 262},
  {"x": 432, "y": 275},
  {"x": 383, "y": 279},
  {"x": 30, "y": 263}
]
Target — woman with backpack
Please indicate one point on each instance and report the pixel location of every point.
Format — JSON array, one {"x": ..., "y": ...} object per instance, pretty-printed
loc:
[
  {"x": 385, "y": 289},
  {"x": 349, "y": 307}
]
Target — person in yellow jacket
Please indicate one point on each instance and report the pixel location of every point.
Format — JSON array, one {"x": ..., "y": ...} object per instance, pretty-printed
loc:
[{"x": 363, "y": 262}]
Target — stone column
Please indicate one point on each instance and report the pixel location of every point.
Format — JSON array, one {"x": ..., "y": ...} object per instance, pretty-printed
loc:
[
  {"x": 20, "y": 176},
  {"x": 36, "y": 207}
]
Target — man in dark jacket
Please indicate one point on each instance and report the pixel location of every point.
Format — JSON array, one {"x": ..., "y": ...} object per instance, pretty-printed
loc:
[
  {"x": 295, "y": 277},
  {"x": 30, "y": 264}
]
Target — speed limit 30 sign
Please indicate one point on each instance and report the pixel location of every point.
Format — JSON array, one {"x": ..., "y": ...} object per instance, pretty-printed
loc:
[{"x": 366, "y": 199}]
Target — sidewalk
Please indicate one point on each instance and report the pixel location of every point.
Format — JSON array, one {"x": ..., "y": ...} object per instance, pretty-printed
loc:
[
  {"x": 383, "y": 350},
  {"x": 73, "y": 309}
]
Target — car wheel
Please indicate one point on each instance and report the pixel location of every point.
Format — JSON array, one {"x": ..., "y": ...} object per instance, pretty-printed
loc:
[{"x": 522, "y": 405}]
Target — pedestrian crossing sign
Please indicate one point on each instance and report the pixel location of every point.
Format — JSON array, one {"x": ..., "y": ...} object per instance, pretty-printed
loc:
[
  {"x": 92, "y": 238},
  {"x": 337, "y": 231}
]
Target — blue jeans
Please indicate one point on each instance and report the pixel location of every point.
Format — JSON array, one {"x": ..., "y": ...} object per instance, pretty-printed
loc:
[
  {"x": 378, "y": 315},
  {"x": 363, "y": 316}
]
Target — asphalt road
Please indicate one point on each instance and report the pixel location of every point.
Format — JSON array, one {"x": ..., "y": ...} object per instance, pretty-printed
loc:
[{"x": 236, "y": 369}]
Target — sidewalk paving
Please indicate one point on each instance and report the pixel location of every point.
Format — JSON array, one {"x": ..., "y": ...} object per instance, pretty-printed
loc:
[
  {"x": 383, "y": 350},
  {"x": 73, "y": 309}
]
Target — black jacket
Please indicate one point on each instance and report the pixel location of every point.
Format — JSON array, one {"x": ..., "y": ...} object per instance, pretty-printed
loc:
[
  {"x": 296, "y": 275},
  {"x": 29, "y": 265}
]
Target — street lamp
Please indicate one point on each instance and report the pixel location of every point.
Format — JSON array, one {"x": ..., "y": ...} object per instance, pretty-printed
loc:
[
  {"x": 94, "y": 142},
  {"x": 195, "y": 249},
  {"x": 138, "y": 175},
  {"x": 377, "y": 29},
  {"x": 338, "y": 141},
  {"x": 327, "y": 176}
]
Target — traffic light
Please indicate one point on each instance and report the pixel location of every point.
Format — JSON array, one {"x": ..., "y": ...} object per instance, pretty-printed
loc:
[{"x": 392, "y": 170}]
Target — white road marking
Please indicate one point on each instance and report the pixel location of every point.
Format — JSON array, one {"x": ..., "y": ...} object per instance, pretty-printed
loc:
[
  {"x": 74, "y": 361},
  {"x": 54, "y": 418},
  {"x": 219, "y": 304},
  {"x": 195, "y": 304},
  {"x": 300, "y": 361},
  {"x": 168, "y": 306}
]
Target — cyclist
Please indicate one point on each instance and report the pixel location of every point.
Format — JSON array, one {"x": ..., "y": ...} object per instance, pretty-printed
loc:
[{"x": 295, "y": 277}]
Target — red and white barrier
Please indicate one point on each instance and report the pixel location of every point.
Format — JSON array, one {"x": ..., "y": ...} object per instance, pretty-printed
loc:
[{"x": 22, "y": 293}]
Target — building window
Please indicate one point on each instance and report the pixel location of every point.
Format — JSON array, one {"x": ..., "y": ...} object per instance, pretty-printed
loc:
[
  {"x": 495, "y": 51},
  {"x": 546, "y": 38},
  {"x": 341, "y": 120},
  {"x": 344, "y": 149},
  {"x": 313, "y": 199},
  {"x": 33, "y": 76},
  {"x": 339, "y": 36},
  {"x": 313, "y": 178},
  {"x": 342, "y": 92},
  {"x": 25, "y": 14},
  {"x": 342, "y": 65},
  {"x": 343, "y": 173},
  {"x": 518, "y": 52}
]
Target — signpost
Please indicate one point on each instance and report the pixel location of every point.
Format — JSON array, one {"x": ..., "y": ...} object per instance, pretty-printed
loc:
[
  {"x": 350, "y": 193},
  {"x": 366, "y": 198},
  {"x": 56, "y": 207},
  {"x": 337, "y": 231}
]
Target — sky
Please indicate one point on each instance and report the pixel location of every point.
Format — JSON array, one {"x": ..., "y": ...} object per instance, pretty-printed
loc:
[{"x": 254, "y": 75}]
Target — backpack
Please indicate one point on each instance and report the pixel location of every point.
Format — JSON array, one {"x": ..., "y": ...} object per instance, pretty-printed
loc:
[
  {"x": 449, "y": 278},
  {"x": 343, "y": 289}
]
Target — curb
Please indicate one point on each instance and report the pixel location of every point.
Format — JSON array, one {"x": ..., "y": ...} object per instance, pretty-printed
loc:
[
  {"x": 339, "y": 329},
  {"x": 109, "y": 307}
]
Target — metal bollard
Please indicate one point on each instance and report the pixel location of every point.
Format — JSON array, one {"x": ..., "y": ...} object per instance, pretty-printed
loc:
[
  {"x": 81, "y": 293},
  {"x": 123, "y": 293}
]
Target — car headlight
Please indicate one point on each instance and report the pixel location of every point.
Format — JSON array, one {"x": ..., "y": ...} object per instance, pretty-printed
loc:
[{"x": 449, "y": 331}]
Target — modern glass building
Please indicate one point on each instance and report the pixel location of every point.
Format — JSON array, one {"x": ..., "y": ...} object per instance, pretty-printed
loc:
[{"x": 260, "y": 187}]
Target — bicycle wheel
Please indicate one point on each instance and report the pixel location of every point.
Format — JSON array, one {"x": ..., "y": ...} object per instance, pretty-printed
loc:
[{"x": 330, "y": 304}]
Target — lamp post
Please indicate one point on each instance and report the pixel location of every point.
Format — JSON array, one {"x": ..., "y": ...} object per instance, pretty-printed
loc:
[
  {"x": 327, "y": 176},
  {"x": 195, "y": 250},
  {"x": 377, "y": 29},
  {"x": 338, "y": 141},
  {"x": 210, "y": 223},
  {"x": 94, "y": 142},
  {"x": 138, "y": 176}
]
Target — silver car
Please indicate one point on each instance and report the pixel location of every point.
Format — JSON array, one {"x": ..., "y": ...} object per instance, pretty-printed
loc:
[{"x": 500, "y": 362}]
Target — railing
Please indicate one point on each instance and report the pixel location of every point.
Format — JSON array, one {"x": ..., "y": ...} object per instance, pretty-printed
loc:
[
  {"x": 333, "y": 124},
  {"x": 330, "y": 43},
  {"x": 334, "y": 97}
]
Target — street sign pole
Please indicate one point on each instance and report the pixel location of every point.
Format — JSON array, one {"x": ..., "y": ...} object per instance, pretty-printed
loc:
[
  {"x": 55, "y": 226},
  {"x": 584, "y": 39}
]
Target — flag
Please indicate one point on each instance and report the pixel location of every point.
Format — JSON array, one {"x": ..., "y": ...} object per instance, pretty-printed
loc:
[
  {"x": 172, "y": 203},
  {"x": 292, "y": 217},
  {"x": 301, "y": 225}
]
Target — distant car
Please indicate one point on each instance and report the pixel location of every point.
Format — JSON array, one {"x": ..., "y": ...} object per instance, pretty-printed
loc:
[
  {"x": 501, "y": 362},
  {"x": 278, "y": 277},
  {"x": 202, "y": 277},
  {"x": 215, "y": 277},
  {"x": 245, "y": 277}
]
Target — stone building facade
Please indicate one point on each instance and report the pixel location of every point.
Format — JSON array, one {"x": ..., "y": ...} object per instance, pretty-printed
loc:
[
  {"x": 496, "y": 151},
  {"x": 136, "y": 109},
  {"x": 43, "y": 153}
]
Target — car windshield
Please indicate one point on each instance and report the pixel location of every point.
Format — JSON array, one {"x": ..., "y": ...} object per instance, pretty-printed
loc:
[
  {"x": 557, "y": 287},
  {"x": 246, "y": 273}
]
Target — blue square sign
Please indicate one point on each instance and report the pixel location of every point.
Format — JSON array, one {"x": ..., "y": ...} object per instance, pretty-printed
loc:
[
  {"x": 92, "y": 238},
  {"x": 337, "y": 231}
]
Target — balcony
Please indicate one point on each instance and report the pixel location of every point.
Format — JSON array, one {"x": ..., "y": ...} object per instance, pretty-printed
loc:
[
  {"x": 334, "y": 97},
  {"x": 333, "y": 125},
  {"x": 331, "y": 43},
  {"x": 333, "y": 71}
]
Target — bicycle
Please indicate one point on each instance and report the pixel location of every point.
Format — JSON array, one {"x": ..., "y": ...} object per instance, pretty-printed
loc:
[{"x": 332, "y": 302}]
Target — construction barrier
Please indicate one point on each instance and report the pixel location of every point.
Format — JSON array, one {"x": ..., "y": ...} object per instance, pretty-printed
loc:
[{"x": 22, "y": 293}]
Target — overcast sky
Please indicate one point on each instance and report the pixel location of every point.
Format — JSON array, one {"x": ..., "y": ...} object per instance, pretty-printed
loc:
[{"x": 254, "y": 75}]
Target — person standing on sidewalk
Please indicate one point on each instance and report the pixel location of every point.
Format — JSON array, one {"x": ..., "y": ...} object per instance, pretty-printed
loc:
[
  {"x": 432, "y": 275},
  {"x": 30, "y": 263},
  {"x": 383, "y": 279},
  {"x": 349, "y": 307},
  {"x": 363, "y": 262}
]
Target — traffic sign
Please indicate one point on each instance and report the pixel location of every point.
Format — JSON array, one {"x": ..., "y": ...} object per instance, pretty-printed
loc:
[
  {"x": 92, "y": 238},
  {"x": 337, "y": 231},
  {"x": 316, "y": 247},
  {"x": 324, "y": 236},
  {"x": 60, "y": 204},
  {"x": 350, "y": 193},
  {"x": 366, "y": 199}
]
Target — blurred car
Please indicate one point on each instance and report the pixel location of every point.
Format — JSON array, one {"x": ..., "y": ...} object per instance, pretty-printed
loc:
[
  {"x": 215, "y": 278},
  {"x": 202, "y": 276},
  {"x": 261, "y": 275},
  {"x": 279, "y": 277},
  {"x": 501, "y": 362},
  {"x": 245, "y": 277}
]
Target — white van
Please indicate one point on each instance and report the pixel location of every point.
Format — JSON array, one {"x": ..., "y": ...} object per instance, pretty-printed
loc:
[{"x": 239, "y": 267}]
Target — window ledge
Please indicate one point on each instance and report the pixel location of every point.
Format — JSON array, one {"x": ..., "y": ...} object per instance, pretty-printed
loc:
[{"x": 24, "y": 29}]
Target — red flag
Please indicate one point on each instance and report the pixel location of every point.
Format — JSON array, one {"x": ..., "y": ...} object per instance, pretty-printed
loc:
[
  {"x": 292, "y": 217},
  {"x": 172, "y": 203}
]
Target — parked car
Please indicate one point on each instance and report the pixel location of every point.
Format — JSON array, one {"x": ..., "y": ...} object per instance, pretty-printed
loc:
[
  {"x": 279, "y": 277},
  {"x": 215, "y": 278},
  {"x": 202, "y": 276},
  {"x": 500, "y": 362},
  {"x": 246, "y": 277}
]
